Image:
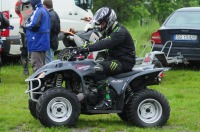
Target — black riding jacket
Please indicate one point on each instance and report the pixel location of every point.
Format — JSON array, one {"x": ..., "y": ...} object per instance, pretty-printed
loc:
[
  {"x": 55, "y": 29},
  {"x": 119, "y": 43}
]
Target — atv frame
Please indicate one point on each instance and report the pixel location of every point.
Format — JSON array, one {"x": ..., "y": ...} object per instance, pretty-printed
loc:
[{"x": 160, "y": 56}]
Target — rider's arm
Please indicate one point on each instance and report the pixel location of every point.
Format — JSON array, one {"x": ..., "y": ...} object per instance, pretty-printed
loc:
[{"x": 115, "y": 38}]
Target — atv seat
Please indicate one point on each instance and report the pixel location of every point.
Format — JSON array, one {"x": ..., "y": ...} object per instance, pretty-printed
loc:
[{"x": 122, "y": 75}]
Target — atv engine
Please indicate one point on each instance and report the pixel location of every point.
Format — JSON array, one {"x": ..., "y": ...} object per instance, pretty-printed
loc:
[{"x": 96, "y": 96}]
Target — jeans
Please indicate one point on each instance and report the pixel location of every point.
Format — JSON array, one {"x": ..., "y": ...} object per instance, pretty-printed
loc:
[
  {"x": 37, "y": 60},
  {"x": 49, "y": 56}
]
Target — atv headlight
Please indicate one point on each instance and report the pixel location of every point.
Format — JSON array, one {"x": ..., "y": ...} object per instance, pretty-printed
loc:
[{"x": 41, "y": 75}]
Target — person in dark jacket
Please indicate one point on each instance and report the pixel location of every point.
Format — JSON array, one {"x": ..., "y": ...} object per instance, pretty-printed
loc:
[
  {"x": 55, "y": 29},
  {"x": 119, "y": 43},
  {"x": 38, "y": 34}
]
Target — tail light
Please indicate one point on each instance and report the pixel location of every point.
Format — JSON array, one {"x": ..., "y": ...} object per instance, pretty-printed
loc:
[
  {"x": 90, "y": 56},
  {"x": 155, "y": 37},
  {"x": 161, "y": 75},
  {"x": 147, "y": 59},
  {"x": 6, "y": 32}
]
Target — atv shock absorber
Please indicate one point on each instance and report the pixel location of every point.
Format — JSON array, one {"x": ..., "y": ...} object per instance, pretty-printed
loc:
[
  {"x": 59, "y": 80},
  {"x": 130, "y": 91}
]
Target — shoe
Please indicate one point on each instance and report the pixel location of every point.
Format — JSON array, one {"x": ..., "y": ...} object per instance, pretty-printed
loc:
[
  {"x": 103, "y": 105},
  {"x": 26, "y": 72}
]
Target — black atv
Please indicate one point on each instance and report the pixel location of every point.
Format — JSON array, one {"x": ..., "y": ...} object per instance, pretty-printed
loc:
[{"x": 62, "y": 90}]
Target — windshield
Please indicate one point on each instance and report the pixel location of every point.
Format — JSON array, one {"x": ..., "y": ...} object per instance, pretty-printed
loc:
[
  {"x": 186, "y": 19},
  {"x": 84, "y": 4}
]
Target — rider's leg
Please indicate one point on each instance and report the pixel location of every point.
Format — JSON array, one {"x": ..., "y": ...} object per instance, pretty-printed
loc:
[{"x": 108, "y": 68}]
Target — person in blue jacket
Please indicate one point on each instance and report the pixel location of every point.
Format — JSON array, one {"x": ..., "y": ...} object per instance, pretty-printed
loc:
[{"x": 38, "y": 34}]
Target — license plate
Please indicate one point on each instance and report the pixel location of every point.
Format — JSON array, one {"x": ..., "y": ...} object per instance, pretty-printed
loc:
[{"x": 185, "y": 37}]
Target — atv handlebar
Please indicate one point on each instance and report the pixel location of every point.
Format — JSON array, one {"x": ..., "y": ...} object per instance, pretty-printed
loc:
[{"x": 75, "y": 55}]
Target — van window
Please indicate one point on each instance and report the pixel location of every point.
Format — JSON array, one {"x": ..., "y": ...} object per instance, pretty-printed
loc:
[{"x": 84, "y": 4}]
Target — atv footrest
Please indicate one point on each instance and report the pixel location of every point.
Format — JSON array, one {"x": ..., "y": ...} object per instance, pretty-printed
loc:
[{"x": 103, "y": 111}]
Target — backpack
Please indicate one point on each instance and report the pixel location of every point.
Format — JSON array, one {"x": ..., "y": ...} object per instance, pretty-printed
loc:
[{"x": 4, "y": 22}]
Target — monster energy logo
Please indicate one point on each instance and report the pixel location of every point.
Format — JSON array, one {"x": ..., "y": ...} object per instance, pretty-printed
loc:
[{"x": 113, "y": 65}]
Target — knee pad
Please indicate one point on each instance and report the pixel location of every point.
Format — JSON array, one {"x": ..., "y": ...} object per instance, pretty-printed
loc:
[{"x": 98, "y": 68}]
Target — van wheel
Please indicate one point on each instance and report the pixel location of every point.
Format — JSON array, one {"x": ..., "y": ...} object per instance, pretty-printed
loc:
[
  {"x": 148, "y": 108},
  {"x": 58, "y": 107}
]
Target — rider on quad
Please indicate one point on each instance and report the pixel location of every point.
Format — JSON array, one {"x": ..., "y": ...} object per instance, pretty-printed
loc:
[{"x": 119, "y": 43}]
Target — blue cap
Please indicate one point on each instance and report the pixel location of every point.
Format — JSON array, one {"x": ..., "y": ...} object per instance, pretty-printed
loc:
[{"x": 35, "y": 2}]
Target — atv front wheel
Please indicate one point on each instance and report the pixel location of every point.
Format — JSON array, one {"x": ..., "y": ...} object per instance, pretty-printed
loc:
[
  {"x": 58, "y": 107},
  {"x": 148, "y": 108},
  {"x": 32, "y": 108}
]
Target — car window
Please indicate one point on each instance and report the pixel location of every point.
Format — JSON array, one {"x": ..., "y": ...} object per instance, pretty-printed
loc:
[{"x": 186, "y": 19}]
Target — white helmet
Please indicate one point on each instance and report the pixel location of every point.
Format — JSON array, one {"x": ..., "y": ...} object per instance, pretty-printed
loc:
[{"x": 105, "y": 14}]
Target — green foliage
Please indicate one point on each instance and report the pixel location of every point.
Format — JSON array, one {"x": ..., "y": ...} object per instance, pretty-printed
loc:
[
  {"x": 141, "y": 34},
  {"x": 144, "y": 9}
]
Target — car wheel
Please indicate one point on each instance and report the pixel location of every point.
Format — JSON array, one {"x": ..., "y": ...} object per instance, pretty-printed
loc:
[
  {"x": 148, "y": 108},
  {"x": 58, "y": 107}
]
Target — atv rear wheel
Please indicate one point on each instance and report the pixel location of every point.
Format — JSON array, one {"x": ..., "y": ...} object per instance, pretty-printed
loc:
[
  {"x": 32, "y": 108},
  {"x": 58, "y": 107},
  {"x": 124, "y": 114},
  {"x": 148, "y": 108}
]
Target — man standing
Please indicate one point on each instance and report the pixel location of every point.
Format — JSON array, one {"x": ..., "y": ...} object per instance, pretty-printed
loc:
[
  {"x": 38, "y": 34},
  {"x": 23, "y": 9},
  {"x": 55, "y": 29}
]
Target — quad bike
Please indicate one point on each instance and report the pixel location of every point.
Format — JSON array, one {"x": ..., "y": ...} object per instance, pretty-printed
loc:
[
  {"x": 74, "y": 38},
  {"x": 62, "y": 90}
]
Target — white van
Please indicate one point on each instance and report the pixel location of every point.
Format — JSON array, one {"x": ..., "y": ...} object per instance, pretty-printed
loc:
[{"x": 71, "y": 13}]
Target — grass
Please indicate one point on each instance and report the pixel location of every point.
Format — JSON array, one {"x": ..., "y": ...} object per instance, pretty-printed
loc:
[{"x": 181, "y": 86}]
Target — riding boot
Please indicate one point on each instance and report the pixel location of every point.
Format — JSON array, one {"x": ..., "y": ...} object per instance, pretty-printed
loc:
[
  {"x": 106, "y": 103},
  {"x": 25, "y": 66}
]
